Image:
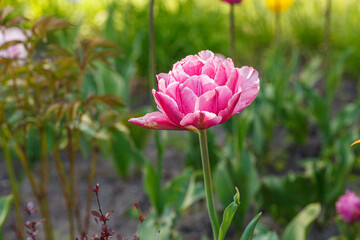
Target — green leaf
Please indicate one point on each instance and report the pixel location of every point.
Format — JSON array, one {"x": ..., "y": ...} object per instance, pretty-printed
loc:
[
  {"x": 297, "y": 228},
  {"x": 283, "y": 196},
  {"x": 263, "y": 233},
  {"x": 124, "y": 153},
  {"x": 249, "y": 230},
  {"x": 182, "y": 191},
  {"x": 229, "y": 215},
  {"x": 5, "y": 205},
  {"x": 223, "y": 184},
  {"x": 161, "y": 226},
  {"x": 152, "y": 187}
]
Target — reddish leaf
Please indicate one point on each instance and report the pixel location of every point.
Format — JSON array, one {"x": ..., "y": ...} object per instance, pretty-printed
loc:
[{"x": 96, "y": 214}]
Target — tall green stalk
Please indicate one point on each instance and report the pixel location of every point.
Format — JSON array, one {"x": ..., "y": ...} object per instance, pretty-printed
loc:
[
  {"x": 232, "y": 34},
  {"x": 152, "y": 73},
  {"x": 327, "y": 27},
  {"x": 277, "y": 24},
  {"x": 64, "y": 183},
  {"x": 208, "y": 184},
  {"x": 44, "y": 184},
  {"x": 14, "y": 189},
  {"x": 233, "y": 56}
]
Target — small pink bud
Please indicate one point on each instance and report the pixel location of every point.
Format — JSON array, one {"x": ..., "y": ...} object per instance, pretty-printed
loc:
[{"x": 348, "y": 207}]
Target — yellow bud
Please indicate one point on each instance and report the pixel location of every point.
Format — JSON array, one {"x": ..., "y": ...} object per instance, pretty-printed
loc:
[
  {"x": 279, "y": 5},
  {"x": 356, "y": 142}
]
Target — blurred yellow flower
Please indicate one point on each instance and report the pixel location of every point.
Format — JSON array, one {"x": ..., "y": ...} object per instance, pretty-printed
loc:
[
  {"x": 356, "y": 142},
  {"x": 279, "y": 5}
]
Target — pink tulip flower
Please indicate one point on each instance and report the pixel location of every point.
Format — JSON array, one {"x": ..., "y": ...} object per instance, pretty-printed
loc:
[
  {"x": 199, "y": 92},
  {"x": 16, "y": 50},
  {"x": 232, "y": 1},
  {"x": 348, "y": 207}
]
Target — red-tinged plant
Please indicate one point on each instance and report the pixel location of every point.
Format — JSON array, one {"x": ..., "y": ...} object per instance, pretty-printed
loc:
[
  {"x": 30, "y": 225},
  {"x": 42, "y": 98},
  {"x": 99, "y": 217}
]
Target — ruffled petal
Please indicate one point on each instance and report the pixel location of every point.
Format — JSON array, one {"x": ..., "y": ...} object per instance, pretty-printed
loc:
[
  {"x": 233, "y": 82},
  {"x": 193, "y": 67},
  {"x": 188, "y": 100},
  {"x": 229, "y": 66},
  {"x": 250, "y": 86},
  {"x": 207, "y": 102},
  {"x": 168, "y": 106},
  {"x": 200, "y": 84},
  {"x": 229, "y": 110},
  {"x": 220, "y": 77},
  {"x": 155, "y": 120},
  {"x": 224, "y": 95},
  {"x": 200, "y": 120},
  {"x": 205, "y": 55}
]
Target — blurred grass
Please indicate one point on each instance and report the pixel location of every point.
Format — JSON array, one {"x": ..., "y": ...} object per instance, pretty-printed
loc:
[{"x": 187, "y": 26}]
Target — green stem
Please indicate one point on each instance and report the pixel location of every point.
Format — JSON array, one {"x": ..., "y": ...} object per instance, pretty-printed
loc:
[
  {"x": 73, "y": 188},
  {"x": 64, "y": 183},
  {"x": 23, "y": 159},
  {"x": 277, "y": 28},
  {"x": 327, "y": 27},
  {"x": 45, "y": 213},
  {"x": 151, "y": 45},
  {"x": 208, "y": 183},
  {"x": 232, "y": 34},
  {"x": 152, "y": 72},
  {"x": 14, "y": 189},
  {"x": 90, "y": 194},
  {"x": 44, "y": 184}
]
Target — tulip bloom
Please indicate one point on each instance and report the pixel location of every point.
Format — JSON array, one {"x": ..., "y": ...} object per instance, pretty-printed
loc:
[
  {"x": 279, "y": 5},
  {"x": 348, "y": 207},
  {"x": 232, "y": 1},
  {"x": 16, "y": 50},
  {"x": 201, "y": 91}
]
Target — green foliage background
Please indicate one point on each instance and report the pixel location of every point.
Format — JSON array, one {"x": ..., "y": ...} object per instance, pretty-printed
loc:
[{"x": 187, "y": 26}]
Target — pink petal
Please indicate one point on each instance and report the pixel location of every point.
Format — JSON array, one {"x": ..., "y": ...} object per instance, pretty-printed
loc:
[
  {"x": 220, "y": 77},
  {"x": 250, "y": 83},
  {"x": 209, "y": 69},
  {"x": 224, "y": 94},
  {"x": 163, "y": 81},
  {"x": 229, "y": 66},
  {"x": 185, "y": 98},
  {"x": 207, "y": 102},
  {"x": 188, "y": 100},
  {"x": 155, "y": 120},
  {"x": 205, "y": 55},
  {"x": 207, "y": 84},
  {"x": 229, "y": 110},
  {"x": 200, "y": 120},
  {"x": 200, "y": 84},
  {"x": 173, "y": 91},
  {"x": 233, "y": 82},
  {"x": 215, "y": 100},
  {"x": 178, "y": 76},
  {"x": 164, "y": 76},
  {"x": 193, "y": 67},
  {"x": 168, "y": 106},
  {"x": 250, "y": 86}
]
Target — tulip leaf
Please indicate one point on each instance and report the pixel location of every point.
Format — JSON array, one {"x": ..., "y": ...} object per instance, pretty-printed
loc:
[
  {"x": 229, "y": 215},
  {"x": 152, "y": 185},
  {"x": 183, "y": 191},
  {"x": 249, "y": 230},
  {"x": 297, "y": 228},
  {"x": 5, "y": 205},
  {"x": 263, "y": 233}
]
